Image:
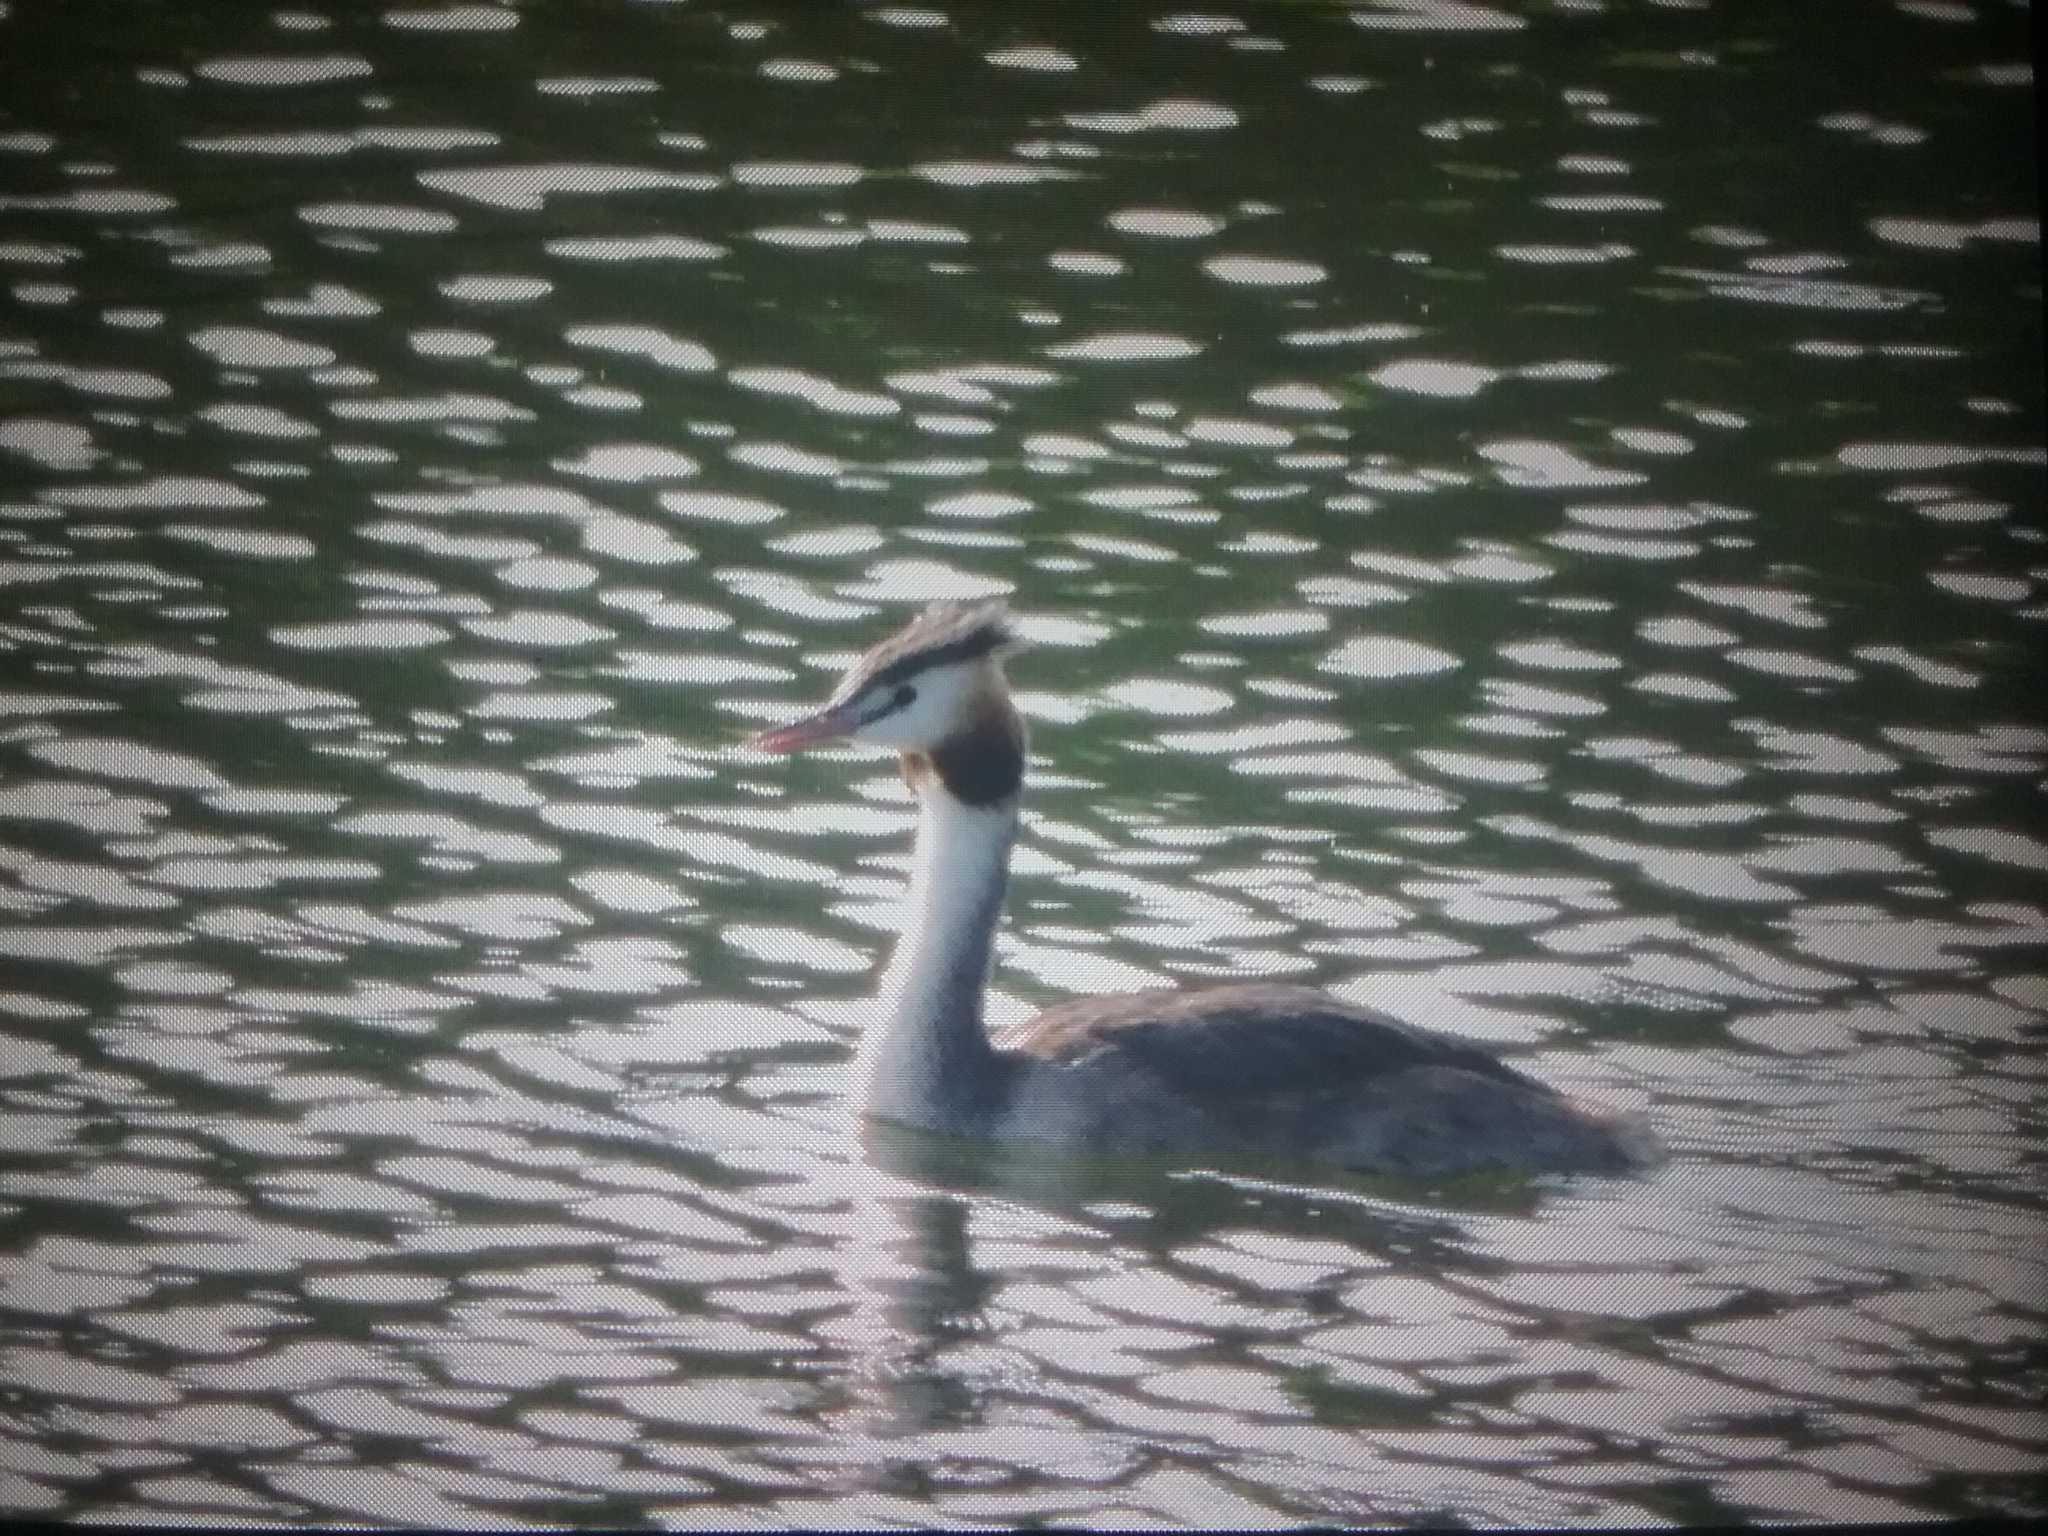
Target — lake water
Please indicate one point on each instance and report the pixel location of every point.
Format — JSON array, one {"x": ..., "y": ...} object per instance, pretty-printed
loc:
[{"x": 1528, "y": 515}]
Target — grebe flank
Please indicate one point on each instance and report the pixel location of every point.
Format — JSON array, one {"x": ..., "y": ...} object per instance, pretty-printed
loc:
[{"x": 1264, "y": 1069}]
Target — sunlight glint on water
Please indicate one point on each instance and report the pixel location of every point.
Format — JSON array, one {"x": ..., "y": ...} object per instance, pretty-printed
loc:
[{"x": 1495, "y": 542}]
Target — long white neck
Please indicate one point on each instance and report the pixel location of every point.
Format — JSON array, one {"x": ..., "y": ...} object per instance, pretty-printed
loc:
[{"x": 927, "y": 1059}]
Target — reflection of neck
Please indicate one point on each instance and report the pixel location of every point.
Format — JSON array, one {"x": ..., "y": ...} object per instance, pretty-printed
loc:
[{"x": 928, "y": 1061}]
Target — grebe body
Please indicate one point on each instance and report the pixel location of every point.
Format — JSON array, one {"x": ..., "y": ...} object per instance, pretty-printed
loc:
[{"x": 1268, "y": 1069}]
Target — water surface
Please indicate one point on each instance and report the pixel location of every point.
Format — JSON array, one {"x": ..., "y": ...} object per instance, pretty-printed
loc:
[{"x": 1528, "y": 516}]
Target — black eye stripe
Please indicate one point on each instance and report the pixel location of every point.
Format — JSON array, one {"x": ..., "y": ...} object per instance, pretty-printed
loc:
[{"x": 899, "y": 697}]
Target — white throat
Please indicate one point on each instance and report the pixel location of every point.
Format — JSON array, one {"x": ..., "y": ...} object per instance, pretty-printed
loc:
[{"x": 926, "y": 1058}]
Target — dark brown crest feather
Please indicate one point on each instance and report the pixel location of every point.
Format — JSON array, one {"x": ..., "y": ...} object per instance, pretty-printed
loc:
[
  {"x": 943, "y": 634},
  {"x": 977, "y": 766}
]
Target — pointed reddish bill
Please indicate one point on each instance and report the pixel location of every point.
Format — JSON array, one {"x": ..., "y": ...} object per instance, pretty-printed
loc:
[{"x": 825, "y": 725}]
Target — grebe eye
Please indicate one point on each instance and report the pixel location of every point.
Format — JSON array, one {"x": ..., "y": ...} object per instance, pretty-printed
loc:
[{"x": 905, "y": 696}]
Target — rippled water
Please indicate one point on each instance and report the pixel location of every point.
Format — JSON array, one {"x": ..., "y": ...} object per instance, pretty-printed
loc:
[{"x": 1529, "y": 516}]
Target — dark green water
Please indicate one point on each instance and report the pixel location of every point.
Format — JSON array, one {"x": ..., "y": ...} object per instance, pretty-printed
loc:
[{"x": 1530, "y": 516}]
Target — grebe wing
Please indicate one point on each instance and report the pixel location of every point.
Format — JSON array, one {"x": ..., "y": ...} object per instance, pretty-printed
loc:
[{"x": 1246, "y": 1039}]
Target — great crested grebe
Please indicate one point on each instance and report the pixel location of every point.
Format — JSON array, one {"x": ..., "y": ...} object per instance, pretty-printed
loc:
[{"x": 1267, "y": 1069}]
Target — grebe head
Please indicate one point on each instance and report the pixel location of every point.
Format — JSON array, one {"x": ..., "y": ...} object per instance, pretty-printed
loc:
[{"x": 934, "y": 684}]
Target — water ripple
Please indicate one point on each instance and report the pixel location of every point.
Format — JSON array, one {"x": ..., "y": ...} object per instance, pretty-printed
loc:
[{"x": 425, "y": 1039}]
